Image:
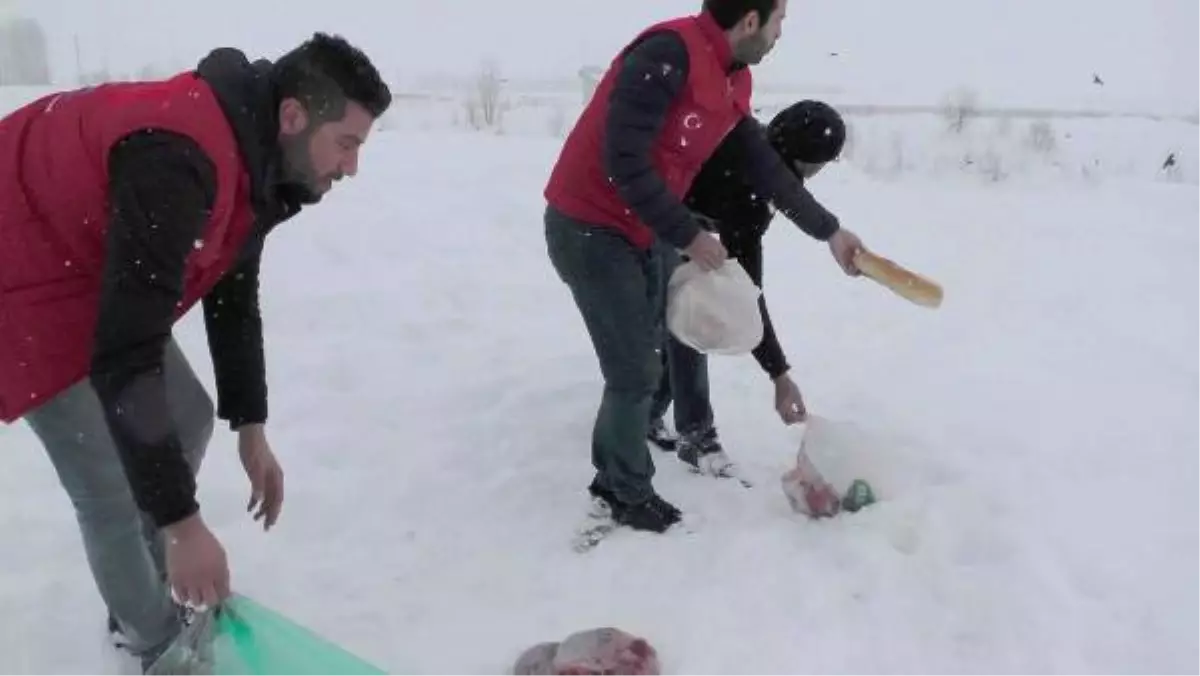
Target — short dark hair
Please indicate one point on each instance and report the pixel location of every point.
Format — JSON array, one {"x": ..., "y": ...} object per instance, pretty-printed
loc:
[
  {"x": 325, "y": 72},
  {"x": 728, "y": 12}
]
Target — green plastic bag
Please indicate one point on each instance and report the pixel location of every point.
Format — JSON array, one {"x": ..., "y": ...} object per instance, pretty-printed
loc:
[{"x": 244, "y": 637}]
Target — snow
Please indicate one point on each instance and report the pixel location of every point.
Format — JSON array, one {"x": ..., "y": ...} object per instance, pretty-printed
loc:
[{"x": 1033, "y": 442}]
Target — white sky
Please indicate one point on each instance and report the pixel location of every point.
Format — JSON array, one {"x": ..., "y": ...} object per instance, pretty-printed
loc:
[{"x": 1015, "y": 52}]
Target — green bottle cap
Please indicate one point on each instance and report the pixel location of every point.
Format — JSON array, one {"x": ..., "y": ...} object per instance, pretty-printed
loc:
[{"x": 857, "y": 496}]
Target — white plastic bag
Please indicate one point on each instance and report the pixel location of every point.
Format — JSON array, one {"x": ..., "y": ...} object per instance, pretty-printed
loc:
[
  {"x": 807, "y": 491},
  {"x": 714, "y": 312}
]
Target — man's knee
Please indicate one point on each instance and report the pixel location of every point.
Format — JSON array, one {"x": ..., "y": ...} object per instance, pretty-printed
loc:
[
  {"x": 191, "y": 406},
  {"x": 98, "y": 488},
  {"x": 106, "y": 516},
  {"x": 652, "y": 371},
  {"x": 639, "y": 375},
  {"x": 197, "y": 424}
]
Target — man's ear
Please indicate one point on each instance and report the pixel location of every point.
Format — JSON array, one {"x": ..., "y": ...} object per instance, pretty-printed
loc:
[
  {"x": 751, "y": 23},
  {"x": 293, "y": 118}
]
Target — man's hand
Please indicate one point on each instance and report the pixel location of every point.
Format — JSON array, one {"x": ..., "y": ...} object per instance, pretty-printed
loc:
[
  {"x": 788, "y": 402},
  {"x": 196, "y": 566},
  {"x": 844, "y": 245},
  {"x": 264, "y": 473},
  {"x": 707, "y": 251}
]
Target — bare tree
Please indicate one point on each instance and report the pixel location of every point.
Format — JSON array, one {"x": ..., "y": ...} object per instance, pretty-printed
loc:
[
  {"x": 959, "y": 106},
  {"x": 484, "y": 109},
  {"x": 1042, "y": 138},
  {"x": 24, "y": 59}
]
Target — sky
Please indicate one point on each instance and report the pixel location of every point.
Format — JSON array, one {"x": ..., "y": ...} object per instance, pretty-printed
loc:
[{"x": 1014, "y": 52}]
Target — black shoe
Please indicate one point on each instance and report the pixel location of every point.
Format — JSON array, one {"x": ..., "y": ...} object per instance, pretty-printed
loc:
[
  {"x": 659, "y": 436},
  {"x": 116, "y": 636},
  {"x": 602, "y": 495},
  {"x": 703, "y": 451},
  {"x": 652, "y": 514}
]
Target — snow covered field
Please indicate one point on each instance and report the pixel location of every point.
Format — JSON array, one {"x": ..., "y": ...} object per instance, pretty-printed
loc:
[{"x": 1033, "y": 442}]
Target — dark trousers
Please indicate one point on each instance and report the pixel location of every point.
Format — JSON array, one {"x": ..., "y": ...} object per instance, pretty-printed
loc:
[
  {"x": 684, "y": 379},
  {"x": 619, "y": 291}
]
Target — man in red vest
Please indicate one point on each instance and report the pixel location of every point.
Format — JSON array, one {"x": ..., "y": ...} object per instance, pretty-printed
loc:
[
  {"x": 614, "y": 201},
  {"x": 121, "y": 207}
]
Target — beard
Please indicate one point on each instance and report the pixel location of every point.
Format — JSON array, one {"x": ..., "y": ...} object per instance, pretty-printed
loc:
[
  {"x": 752, "y": 49},
  {"x": 298, "y": 170}
]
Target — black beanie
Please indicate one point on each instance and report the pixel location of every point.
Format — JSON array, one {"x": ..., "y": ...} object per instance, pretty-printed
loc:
[{"x": 808, "y": 131}]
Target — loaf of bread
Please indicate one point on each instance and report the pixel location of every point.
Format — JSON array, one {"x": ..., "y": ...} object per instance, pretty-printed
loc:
[{"x": 903, "y": 282}]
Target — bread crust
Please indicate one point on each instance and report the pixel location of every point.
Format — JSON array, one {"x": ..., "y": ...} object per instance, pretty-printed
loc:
[{"x": 905, "y": 283}]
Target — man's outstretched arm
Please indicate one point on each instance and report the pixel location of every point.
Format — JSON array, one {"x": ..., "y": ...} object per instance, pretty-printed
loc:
[{"x": 772, "y": 178}]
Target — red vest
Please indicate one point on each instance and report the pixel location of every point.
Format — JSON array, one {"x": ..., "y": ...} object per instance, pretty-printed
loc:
[
  {"x": 710, "y": 105},
  {"x": 53, "y": 217}
]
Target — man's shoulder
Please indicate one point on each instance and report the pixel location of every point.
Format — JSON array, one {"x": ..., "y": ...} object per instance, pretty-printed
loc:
[
  {"x": 163, "y": 158},
  {"x": 662, "y": 45},
  {"x": 169, "y": 147}
]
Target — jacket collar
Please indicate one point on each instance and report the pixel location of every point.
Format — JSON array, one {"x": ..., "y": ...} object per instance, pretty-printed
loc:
[{"x": 246, "y": 93}]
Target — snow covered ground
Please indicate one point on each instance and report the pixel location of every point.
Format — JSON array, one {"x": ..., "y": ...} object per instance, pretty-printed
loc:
[{"x": 1033, "y": 442}]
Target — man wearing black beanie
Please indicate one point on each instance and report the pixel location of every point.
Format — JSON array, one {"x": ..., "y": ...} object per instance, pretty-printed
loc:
[{"x": 807, "y": 135}]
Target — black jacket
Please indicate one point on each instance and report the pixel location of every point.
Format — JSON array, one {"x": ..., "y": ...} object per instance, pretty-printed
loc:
[
  {"x": 737, "y": 186},
  {"x": 161, "y": 188},
  {"x": 740, "y": 216}
]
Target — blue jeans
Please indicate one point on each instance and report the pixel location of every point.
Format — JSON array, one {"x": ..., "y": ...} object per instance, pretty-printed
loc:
[
  {"x": 124, "y": 549},
  {"x": 618, "y": 290},
  {"x": 684, "y": 379}
]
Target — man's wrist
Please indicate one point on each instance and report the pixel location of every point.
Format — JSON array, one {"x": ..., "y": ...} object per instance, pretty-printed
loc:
[
  {"x": 181, "y": 528},
  {"x": 837, "y": 227},
  {"x": 251, "y": 436}
]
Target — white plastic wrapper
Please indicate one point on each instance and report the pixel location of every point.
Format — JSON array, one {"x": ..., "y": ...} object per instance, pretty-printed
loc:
[
  {"x": 806, "y": 489},
  {"x": 714, "y": 312},
  {"x": 191, "y": 651}
]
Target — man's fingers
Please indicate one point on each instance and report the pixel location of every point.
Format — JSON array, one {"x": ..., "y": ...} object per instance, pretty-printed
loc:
[
  {"x": 208, "y": 595},
  {"x": 276, "y": 501},
  {"x": 272, "y": 500},
  {"x": 256, "y": 491},
  {"x": 222, "y": 586},
  {"x": 852, "y": 268},
  {"x": 191, "y": 594},
  {"x": 180, "y": 591},
  {"x": 846, "y": 260}
]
